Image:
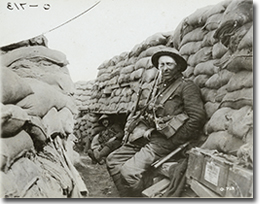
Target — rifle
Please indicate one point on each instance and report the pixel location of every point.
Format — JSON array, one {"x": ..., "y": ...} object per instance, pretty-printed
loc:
[
  {"x": 159, "y": 162},
  {"x": 134, "y": 123},
  {"x": 139, "y": 93}
]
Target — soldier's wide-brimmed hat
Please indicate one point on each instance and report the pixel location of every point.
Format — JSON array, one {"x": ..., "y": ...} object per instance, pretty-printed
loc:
[
  {"x": 102, "y": 117},
  {"x": 172, "y": 52}
]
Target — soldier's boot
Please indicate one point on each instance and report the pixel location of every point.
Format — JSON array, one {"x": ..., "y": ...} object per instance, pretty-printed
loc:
[
  {"x": 104, "y": 152},
  {"x": 91, "y": 155},
  {"x": 123, "y": 190}
]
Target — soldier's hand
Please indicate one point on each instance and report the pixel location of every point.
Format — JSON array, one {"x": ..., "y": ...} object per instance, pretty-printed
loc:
[{"x": 148, "y": 133}]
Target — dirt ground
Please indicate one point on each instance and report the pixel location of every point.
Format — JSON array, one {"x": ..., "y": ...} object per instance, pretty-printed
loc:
[{"x": 97, "y": 179}]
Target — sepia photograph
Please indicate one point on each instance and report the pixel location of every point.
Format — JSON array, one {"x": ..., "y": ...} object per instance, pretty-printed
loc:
[{"x": 110, "y": 99}]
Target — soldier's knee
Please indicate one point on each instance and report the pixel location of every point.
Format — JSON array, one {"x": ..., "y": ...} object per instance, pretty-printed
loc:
[
  {"x": 128, "y": 175},
  {"x": 125, "y": 173}
]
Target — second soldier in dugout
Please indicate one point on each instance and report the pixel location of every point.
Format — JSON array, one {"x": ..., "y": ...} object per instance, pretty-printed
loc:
[{"x": 173, "y": 116}]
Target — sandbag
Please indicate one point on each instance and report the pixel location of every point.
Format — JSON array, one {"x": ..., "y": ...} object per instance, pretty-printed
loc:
[
  {"x": 237, "y": 13},
  {"x": 224, "y": 142},
  {"x": 188, "y": 72},
  {"x": 241, "y": 60},
  {"x": 13, "y": 120},
  {"x": 127, "y": 91},
  {"x": 219, "y": 79},
  {"x": 14, "y": 147},
  {"x": 240, "y": 80},
  {"x": 118, "y": 91},
  {"x": 116, "y": 72},
  {"x": 115, "y": 99},
  {"x": 45, "y": 71},
  {"x": 142, "y": 63},
  {"x": 52, "y": 123},
  {"x": 124, "y": 78},
  {"x": 176, "y": 38},
  {"x": 150, "y": 51},
  {"x": 240, "y": 122},
  {"x": 218, "y": 50},
  {"x": 207, "y": 68},
  {"x": 137, "y": 74},
  {"x": 131, "y": 60},
  {"x": 127, "y": 69},
  {"x": 197, "y": 19},
  {"x": 34, "y": 52},
  {"x": 101, "y": 72},
  {"x": 209, "y": 40},
  {"x": 137, "y": 49},
  {"x": 14, "y": 88},
  {"x": 208, "y": 95},
  {"x": 245, "y": 153},
  {"x": 211, "y": 108},
  {"x": 238, "y": 99},
  {"x": 150, "y": 74},
  {"x": 113, "y": 61},
  {"x": 221, "y": 92},
  {"x": 247, "y": 40},
  {"x": 84, "y": 85},
  {"x": 200, "y": 80},
  {"x": 104, "y": 77},
  {"x": 44, "y": 98},
  {"x": 200, "y": 16},
  {"x": 125, "y": 99},
  {"x": 238, "y": 35},
  {"x": 156, "y": 39},
  {"x": 67, "y": 120},
  {"x": 213, "y": 22},
  {"x": 190, "y": 48},
  {"x": 113, "y": 81},
  {"x": 202, "y": 55},
  {"x": 193, "y": 36},
  {"x": 218, "y": 120}
]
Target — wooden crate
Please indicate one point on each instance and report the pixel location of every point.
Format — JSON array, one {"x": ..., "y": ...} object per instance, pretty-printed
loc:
[
  {"x": 222, "y": 177},
  {"x": 156, "y": 189},
  {"x": 240, "y": 183},
  {"x": 215, "y": 172},
  {"x": 195, "y": 164}
]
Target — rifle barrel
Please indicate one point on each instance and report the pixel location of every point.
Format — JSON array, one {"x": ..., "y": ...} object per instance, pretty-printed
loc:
[{"x": 159, "y": 162}]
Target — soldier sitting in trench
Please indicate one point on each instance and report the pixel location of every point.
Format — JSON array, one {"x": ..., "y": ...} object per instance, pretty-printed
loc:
[
  {"x": 173, "y": 116},
  {"x": 106, "y": 141}
]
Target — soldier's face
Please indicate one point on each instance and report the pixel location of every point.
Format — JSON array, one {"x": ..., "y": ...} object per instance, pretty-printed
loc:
[
  {"x": 105, "y": 122},
  {"x": 168, "y": 66}
]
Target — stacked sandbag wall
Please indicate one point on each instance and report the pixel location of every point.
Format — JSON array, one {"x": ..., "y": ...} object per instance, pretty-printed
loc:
[
  {"x": 118, "y": 80},
  {"x": 37, "y": 123},
  {"x": 217, "y": 43},
  {"x": 86, "y": 122}
]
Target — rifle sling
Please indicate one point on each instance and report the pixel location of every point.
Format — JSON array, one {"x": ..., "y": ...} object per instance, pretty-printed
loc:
[{"x": 170, "y": 90}]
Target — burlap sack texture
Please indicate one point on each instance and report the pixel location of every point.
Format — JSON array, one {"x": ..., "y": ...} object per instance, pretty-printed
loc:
[
  {"x": 217, "y": 42},
  {"x": 38, "y": 115}
]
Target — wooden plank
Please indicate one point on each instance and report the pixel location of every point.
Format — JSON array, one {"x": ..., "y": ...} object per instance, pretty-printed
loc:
[
  {"x": 164, "y": 168},
  {"x": 201, "y": 190},
  {"x": 155, "y": 189}
]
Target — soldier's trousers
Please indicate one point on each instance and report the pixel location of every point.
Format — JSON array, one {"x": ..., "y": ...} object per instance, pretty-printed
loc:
[{"x": 130, "y": 164}]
